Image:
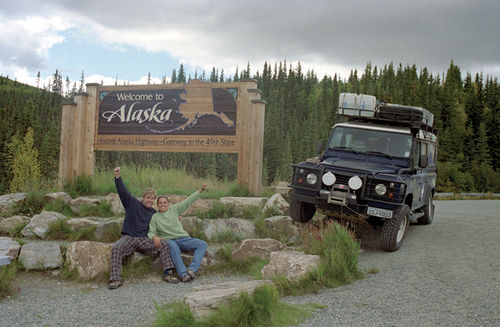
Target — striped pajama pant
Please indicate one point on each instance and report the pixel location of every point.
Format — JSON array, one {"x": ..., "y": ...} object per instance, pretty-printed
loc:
[{"x": 126, "y": 245}]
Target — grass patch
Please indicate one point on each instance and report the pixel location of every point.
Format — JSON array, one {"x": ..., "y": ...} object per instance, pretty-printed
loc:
[
  {"x": 218, "y": 210},
  {"x": 372, "y": 271},
  {"x": 59, "y": 205},
  {"x": 262, "y": 308},
  {"x": 59, "y": 230},
  {"x": 84, "y": 234},
  {"x": 111, "y": 234},
  {"x": 338, "y": 251},
  {"x": 80, "y": 185},
  {"x": 14, "y": 232},
  {"x": 102, "y": 209},
  {"x": 7, "y": 275},
  {"x": 251, "y": 266}
]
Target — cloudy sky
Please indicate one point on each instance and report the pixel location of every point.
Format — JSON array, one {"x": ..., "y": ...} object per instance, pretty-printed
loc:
[{"x": 126, "y": 39}]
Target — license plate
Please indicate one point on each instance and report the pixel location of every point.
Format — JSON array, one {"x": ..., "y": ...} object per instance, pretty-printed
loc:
[{"x": 377, "y": 212}]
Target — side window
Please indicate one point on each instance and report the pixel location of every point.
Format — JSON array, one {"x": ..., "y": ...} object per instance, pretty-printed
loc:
[
  {"x": 432, "y": 154},
  {"x": 417, "y": 153}
]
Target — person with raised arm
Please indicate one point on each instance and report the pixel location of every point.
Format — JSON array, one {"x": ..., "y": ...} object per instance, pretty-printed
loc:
[{"x": 135, "y": 233}]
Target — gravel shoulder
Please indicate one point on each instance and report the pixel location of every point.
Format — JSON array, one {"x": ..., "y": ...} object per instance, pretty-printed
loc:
[{"x": 446, "y": 274}]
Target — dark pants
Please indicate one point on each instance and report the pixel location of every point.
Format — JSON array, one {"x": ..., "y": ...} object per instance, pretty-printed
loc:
[{"x": 126, "y": 245}]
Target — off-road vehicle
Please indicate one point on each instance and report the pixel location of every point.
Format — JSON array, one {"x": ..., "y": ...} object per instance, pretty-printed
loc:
[{"x": 379, "y": 166}]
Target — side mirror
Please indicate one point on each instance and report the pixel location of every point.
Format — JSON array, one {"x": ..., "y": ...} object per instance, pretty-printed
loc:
[
  {"x": 423, "y": 160},
  {"x": 319, "y": 147}
]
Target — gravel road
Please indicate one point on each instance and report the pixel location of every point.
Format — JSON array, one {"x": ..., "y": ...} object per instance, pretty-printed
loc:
[{"x": 446, "y": 274}]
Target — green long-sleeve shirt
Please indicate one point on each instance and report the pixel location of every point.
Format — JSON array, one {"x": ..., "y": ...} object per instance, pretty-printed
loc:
[{"x": 166, "y": 224}]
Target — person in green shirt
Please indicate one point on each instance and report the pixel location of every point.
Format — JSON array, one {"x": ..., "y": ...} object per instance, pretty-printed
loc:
[{"x": 166, "y": 224}]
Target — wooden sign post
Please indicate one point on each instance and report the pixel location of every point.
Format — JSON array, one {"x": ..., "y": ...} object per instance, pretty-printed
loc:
[{"x": 193, "y": 117}]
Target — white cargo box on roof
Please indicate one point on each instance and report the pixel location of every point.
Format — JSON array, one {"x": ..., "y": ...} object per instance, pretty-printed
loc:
[{"x": 362, "y": 105}]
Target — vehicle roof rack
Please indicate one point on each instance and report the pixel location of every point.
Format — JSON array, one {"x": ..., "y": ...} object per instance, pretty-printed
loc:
[{"x": 366, "y": 107}]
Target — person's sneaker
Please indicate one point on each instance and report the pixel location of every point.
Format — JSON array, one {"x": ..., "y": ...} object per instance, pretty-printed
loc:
[
  {"x": 186, "y": 278},
  {"x": 114, "y": 284},
  {"x": 191, "y": 274},
  {"x": 170, "y": 278}
]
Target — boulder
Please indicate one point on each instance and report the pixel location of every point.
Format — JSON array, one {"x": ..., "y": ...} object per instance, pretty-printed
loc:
[
  {"x": 187, "y": 257},
  {"x": 239, "y": 228},
  {"x": 90, "y": 259},
  {"x": 283, "y": 225},
  {"x": 41, "y": 255},
  {"x": 277, "y": 201},
  {"x": 6, "y": 201},
  {"x": 80, "y": 223},
  {"x": 239, "y": 204},
  {"x": 115, "y": 203},
  {"x": 103, "y": 229},
  {"x": 51, "y": 197},
  {"x": 39, "y": 224},
  {"x": 293, "y": 264},
  {"x": 12, "y": 222},
  {"x": 281, "y": 188},
  {"x": 190, "y": 223},
  {"x": 9, "y": 247},
  {"x": 75, "y": 204},
  {"x": 206, "y": 299},
  {"x": 261, "y": 248}
]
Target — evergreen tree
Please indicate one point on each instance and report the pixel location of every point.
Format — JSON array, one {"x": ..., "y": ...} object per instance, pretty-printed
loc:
[{"x": 24, "y": 165}]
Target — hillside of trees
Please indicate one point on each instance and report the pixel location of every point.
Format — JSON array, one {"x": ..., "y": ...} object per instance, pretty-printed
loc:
[{"x": 300, "y": 111}]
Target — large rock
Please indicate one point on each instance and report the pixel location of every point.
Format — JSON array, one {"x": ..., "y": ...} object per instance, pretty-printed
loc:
[
  {"x": 277, "y": 201},
  {"x": 12, "y": 222},
  {"x": 39, "y": 224},
  {"x": 283, "y": 225},
  {"x": 9, "y": 247},
  {"x": 75, "y": 204},
  {"x": 293, "y": 264},
  {"x": 205, "y": 299},
  {"x": 108, "y": 227},
  {"x": 261, "y": 248},
  {"x": 41, "y": 255},
  {"x": 51, "y": 197},
  {"x": 115, "y": 203},
  {"x": 8, "y": 200},
  {"x": 282, "y": 188},
  {"x": 239, "y": 228},
  {"x": 80, "y": 223},
  {"x": 90, "y": 259},
  {"x": 190, "y": 223},
  {"x": 240, "y": 204}
]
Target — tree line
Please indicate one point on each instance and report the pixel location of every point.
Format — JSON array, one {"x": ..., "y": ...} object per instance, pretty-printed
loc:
[{"x": 300, "y": 111}]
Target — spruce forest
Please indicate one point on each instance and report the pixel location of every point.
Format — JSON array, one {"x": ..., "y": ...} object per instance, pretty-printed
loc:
[{"x": 300, "y": 111}]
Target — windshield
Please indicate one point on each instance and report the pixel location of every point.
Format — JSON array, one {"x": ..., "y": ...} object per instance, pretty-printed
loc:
[{"x": 371, "y": 141}]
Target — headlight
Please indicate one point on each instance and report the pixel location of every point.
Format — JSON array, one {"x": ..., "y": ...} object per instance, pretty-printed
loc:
[
  {"x": 380, "y": 189},
  {"x": 355, "y": 183},
  {"x": 328, "y": 178},
  {"x": 312, "y": 178}
]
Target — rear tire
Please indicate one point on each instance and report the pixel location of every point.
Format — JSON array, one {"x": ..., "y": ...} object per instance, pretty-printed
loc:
[
  {"x": 394, "y": 230},
  {"x": 301, "y": 211},
  {"x": 428, "y": 210}
]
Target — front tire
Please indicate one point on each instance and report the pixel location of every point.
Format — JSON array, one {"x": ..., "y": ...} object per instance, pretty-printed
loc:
[
  {"x": 394, "y": 230},
  {"x": 428, "y": 210},
  {"x": 301, "y": 211}
]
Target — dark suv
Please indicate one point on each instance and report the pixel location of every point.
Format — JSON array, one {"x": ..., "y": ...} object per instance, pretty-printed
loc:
[{"x": 379, "y": 166}]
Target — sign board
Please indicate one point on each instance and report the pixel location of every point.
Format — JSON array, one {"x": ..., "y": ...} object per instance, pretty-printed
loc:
[{"x": 196, "y": 117}]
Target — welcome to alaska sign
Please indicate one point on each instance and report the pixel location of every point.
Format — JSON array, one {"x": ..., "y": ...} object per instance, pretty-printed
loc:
[
  {"x": 192, "y": 117},
  {"x": 196, "y": 117}
]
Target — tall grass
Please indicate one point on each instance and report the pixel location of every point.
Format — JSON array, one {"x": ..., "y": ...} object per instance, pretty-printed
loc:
[
  {"x": 7, "y": 274},
  {"x": 262, "y": 308},
  {"x": 164, "y": 181}
]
